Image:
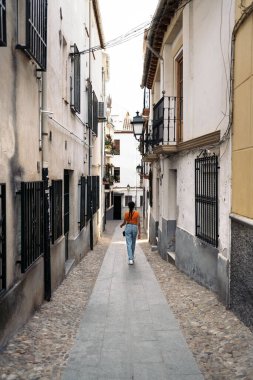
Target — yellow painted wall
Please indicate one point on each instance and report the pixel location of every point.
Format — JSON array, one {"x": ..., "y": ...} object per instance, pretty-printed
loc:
[{"x": 242, "y": 132}]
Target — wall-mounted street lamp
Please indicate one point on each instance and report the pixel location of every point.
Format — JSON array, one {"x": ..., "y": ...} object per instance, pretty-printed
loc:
[
  {"x": 139, "y": 169},
  {"x": 138, "y": 123}
]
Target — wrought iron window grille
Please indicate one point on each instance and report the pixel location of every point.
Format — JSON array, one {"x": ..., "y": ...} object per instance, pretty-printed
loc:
[
  {"x": 206, "y": 198},
  {"x": 2, "y": 238},
  {"x": 95, "y": 114},
  {"x": 32, "y": 223},
  {"x": 95, "y": 193},
  {"x": 90, "y": 114},
  {"x": 83, "y": 184},
  {"x": 75, "y": 81},
  {"x": 56, "y": 210},
  {"x": 3, "y": 34},
  {"x": 34, "y": 16},
  {"x": 89, "y": 209}
]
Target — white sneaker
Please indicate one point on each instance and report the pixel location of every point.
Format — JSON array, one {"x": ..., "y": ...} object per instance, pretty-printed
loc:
[{"x": 131, "y": 262}]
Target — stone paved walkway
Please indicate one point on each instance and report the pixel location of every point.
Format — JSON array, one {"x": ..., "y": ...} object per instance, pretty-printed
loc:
[
  {"x": 128, "y": 330},
  {"x": 221, "y": 344}
]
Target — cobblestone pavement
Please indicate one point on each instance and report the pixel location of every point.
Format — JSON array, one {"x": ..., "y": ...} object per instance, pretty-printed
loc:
[
  {"x": 40, "y": 349},
  {"x": 221, "y": 344}
]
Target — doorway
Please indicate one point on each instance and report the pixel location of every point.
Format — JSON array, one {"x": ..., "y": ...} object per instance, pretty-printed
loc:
[{"x": 117, "y": 207}]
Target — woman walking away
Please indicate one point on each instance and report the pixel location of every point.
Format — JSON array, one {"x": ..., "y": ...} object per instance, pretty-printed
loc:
[{"x": 132, "y": 222}]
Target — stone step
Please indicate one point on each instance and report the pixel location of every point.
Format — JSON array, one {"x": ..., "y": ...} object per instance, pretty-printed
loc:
[
  {"x": 171, "y": 256},
  {"x": 69, "y": 264}
]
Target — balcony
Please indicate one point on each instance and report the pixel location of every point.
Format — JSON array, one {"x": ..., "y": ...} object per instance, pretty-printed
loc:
[
  {"x": 166, "y": 136},
  {"x": 109, "y": 146},
  {"x": 167, "y": 124}
]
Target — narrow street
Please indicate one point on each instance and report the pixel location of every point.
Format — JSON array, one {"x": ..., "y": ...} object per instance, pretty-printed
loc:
[{"x": 52, "y": 344}]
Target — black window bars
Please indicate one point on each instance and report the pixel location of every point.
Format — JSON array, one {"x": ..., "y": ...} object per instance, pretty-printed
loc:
[
  {"x": 89, "y": 199},
  {"x": 89, "y": 203},
  {"x": 89, "y": 90},
  {"x": 76, "y": 81},
  {"x": 83, "y": 182},
  {"x": 3, "y": 34},
  {"x": 32, "y": 223},
  {"x": 2, "y": 237},
  {"x": 95, "y": 193},
  {"x": 35, "y": 44},
  {"x": 56, "y": 210},
  {"x": 95, "y": 114},
  {"x": 206, "y": 199}
]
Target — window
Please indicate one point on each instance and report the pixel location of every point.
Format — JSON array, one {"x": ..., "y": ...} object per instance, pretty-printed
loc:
[
  {"x": 150, "y": 192},
  {"x": 32, "y": 30},
  {"x": 3, "y": 37},
  {"x": 89, "y": 198},
  {"x": 56, "y": 209},
  {"x": 128, "y": 198},
  {"x": 95, "y": 114},
  {"x": 95, "y": 193},
  {"x": 32, "y": 223},
  {"x": 89, "y": 90},
  {"x": 206, "y": 199},
  {"x": 117, "y": 174},
  {"x": 116, "y": 147},
  {"x": 82, "y": 202},
  {"x": 2, "y": 238},
  {"x": 179, "y": 81},
  {"x": 75, "y": 88},
  {"x": 141, "y": 200}
]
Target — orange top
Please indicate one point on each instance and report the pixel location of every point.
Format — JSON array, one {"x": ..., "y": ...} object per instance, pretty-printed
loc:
[{"x": 134, "y": 219}]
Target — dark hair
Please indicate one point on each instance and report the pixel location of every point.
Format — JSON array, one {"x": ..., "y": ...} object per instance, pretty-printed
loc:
[{"x": 131, "y": 205}]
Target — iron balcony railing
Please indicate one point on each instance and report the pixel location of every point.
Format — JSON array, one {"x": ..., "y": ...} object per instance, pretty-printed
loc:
[
  {"x": 206, "y": 199},
  {"x": 167, "y": 120}
]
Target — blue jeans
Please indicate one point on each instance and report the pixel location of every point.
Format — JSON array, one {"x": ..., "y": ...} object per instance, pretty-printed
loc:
[{"x": 131, "y": 234}]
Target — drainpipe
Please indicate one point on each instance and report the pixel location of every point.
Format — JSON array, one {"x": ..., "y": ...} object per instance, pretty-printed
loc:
[
  {"x": 44, "y": 155},
  {"x": 90, "y": 134}
]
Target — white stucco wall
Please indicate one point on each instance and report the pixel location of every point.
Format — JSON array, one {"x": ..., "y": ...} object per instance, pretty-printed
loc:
[
  {"x": 207, "y": 28},
  {"x": 206, "y": 38},
  {"x": 128, "y": 159}
]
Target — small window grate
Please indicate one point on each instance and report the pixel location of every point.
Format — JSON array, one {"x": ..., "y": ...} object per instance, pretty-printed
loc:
[
  {"x": 206, "y": 199},
  {"x": 56, "y": 209},
  {"x": 32, "y": 223},
  {"x": 3, "y": 35},
  {"x": 2, "y": 237}
]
